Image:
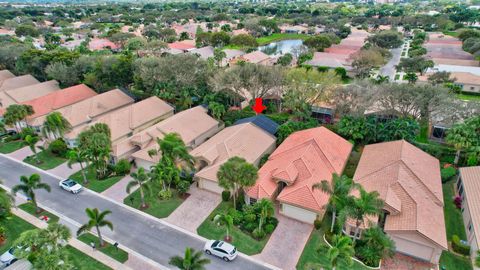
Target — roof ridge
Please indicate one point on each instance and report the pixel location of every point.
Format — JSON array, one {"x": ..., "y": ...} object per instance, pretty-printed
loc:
[
  {"x": 430, "y": 192},
  {"x": 377, "y": 170}
]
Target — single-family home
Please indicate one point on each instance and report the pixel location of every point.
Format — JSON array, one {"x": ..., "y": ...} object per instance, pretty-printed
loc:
[
  {"x": 246, "y": 140},
  {"x": 26, "y": 93},
  {"x": 230, "y": 55},
  {"x": 44, "y": 105},
  {"x": 306, "y": 157},
  {"x": 5, "y": 74},
  {"x": 408, "y": 181},
  {"x": 467, "y": 81},
  {"x": 184, "y": 45},
  {"x": 101, "y": 44},
  {"x": 9, "y": 83},
  {"x": 129, "y": 120},
  {"x": 204, "y": 52},
  {"x": 468, "y": 188},
  {"x": 193, "y": 125},
  {"x": 255, "y": 57}
]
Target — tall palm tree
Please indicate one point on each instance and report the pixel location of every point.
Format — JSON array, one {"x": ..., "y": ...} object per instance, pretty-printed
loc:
[
  {"x": 97, "y": 220},
  {"x": 338, "y": 191},
  {"x": 266, "y": 210},
  {"x": 340, "y": 253},
  {"x": 140, "y": 179},
  {"x": 28, "y": 186},
  {"x": 368, "y": 203},
  {"x": 31, "y": 141},
  {"x": 192, "y": 261},
  {"x": 461, "y": 137},
  {"x": 173, "y": 148},
  {"x": 226, "y": 220},
  {"x": 377, "y": 245},
  {"x": 55, "y": 125},
  {"x": 55, "y": 234},
  {"x": 77, "y": 156}
]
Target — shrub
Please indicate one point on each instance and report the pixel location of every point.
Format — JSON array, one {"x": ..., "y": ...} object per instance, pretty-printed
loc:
[
  {"x": 258, "y": 234},
  {"x": 122, "y": 167},
  {"x": 165, "y": 194},
  {"x": 27, "y": 131},
  {"x": 250, "y": 217},
  {"x": 236, "y": 215},
  {"x": 322, "y": 69},
  {"x": 459, "y": 247},
  {"x": 225, "y": 195},
  {"x": 58, "y": 147},
  {"x": 183, "y": 186},
  {"x": 272, "y": 220},
  {"x": 458, "y": 202},
  {"x": 317, "y": 224},
  {"x": 269, "y": 228},
  {"x": 447, "y": 173},
  {"x": 250, "y": 226}
]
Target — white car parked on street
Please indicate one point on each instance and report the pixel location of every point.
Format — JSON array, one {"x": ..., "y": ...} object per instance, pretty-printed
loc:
[
  {"x": 221, "y": 249},
  {"x": 70, "y": 186},
  {"x": 7, "y": 258}
]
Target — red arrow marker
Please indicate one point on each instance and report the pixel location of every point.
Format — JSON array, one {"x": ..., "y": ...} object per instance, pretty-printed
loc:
[{"x": 259, "y": 107}]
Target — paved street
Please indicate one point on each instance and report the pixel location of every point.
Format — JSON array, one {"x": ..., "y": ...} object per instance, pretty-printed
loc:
[
  {"x": 148, "y": 236},
  {"x": 389, "y": 68}
]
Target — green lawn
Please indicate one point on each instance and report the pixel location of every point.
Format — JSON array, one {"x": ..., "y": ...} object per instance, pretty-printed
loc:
[
  {"x": 93, "y": 183},
  {"x": 454, "y": 262},
  {"x": 156, "y": 207},
  {"x": 244, "y": 242},
  {"x": 310, "y": 256},
  {"x": 14, "y": 227},
  {"x": 451, "y": 33},
  {"x": 30, "y": 208},
  {"x": 453, "y": 216},
  {"x": 109, "y": 250},
  {"x": 280, "y": 36},
  {"x": 9, "y": 147},
  {"x": 81, "y": 261},
  {"x": 468, "y": 97},
  {"x": 48, "y": 160}
]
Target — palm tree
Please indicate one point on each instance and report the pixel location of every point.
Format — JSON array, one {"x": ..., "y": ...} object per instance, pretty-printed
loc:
[
  {"x": 461, "y": 137},
  {"x": 77, "y": 156},
  {"x": 192, "y": 261},
  {"x": 172, "y": 147},
  {"x": 226, "y": 220},
  {"x": 377, "y": 245},
  {"x": 368, "y": 203},
  {"x": 6, "y": 202},
  {"x": 56, "y": 125},
  {"x": 338, "y": 191},
  {"x": 31, "y": 141},
  {"x": 28, "y": 186},
  {"x": 55, "y": 234},
  {"x": 340, "y": 252},
  {"x": 266, "y": 210},
  {"x": 139, "y": 179},
  {"x": 97, "y": 220},
  {"x": 217, "y": 109}
]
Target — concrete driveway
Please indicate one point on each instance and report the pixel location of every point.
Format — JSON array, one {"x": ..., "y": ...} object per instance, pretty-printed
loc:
[
  {"x": 195, "y": 209},
  {"x": 286, "y": 244},
  {"x": 118, "y": 192}
]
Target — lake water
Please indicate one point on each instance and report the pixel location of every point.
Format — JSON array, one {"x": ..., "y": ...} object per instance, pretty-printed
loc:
[{"x": 282, "y": 47}]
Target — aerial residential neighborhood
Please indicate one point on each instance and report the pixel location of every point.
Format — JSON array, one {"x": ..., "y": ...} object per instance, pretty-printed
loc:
[{"x": 240, "y": 135}]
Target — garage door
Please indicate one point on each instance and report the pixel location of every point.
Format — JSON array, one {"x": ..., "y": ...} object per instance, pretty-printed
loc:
[
  {"x": 298, "y": 213},
  {"x": 413, "y": 249},
  {"x": 210, "y": 186}
]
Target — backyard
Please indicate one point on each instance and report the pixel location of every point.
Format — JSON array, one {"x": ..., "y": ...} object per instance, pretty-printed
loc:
[{"x": 94, "y": 183}]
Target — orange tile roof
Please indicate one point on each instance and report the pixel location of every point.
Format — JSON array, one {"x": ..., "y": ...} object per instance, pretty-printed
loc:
[
  {"x": 471, "y": 185},
  {"x": 408, "y": 180},
  {"x": 183, "y": 45},
  {"x": 306, "y": 157},
  {"x": 58, "y": 99},
  {"x": 101, "y": 43}
]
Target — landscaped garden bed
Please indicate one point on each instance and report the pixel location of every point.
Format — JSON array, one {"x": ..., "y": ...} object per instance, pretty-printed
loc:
[
  {"x": 160, "y": 208},
  {"x": 95, "y": 184},
  {"x": 245, "y": 222},
  {"x": 30, "y": 208},
  {"x": 45, "y": 160}
]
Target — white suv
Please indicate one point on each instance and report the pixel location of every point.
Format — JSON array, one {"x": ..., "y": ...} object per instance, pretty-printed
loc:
[
  {"x": 221, "y": 249},
  {"x": 70, "y": 185}
]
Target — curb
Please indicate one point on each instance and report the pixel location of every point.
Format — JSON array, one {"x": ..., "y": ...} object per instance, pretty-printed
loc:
[{"x": 163, "y": 222}]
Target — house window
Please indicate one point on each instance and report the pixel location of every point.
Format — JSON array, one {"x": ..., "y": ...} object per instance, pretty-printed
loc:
[
  {"x": 463, "y": 209},
  {"x": 253, "y": 201},
  {"x": 472, "y": 88},
  {"x": 459, "y": 183},
  {"x": 460, "y": 192},
  {"x": 470, "y": 226},
  {"x": 439, "y": 132}
]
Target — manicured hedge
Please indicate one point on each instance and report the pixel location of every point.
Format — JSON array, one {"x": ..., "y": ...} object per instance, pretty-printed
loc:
[{"x": 459, "y": 247}]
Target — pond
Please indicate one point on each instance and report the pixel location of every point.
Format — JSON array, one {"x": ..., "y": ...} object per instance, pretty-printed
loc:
[{"x": 282, "y": 47}]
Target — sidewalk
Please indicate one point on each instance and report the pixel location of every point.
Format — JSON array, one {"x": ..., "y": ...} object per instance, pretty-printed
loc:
[
  {"x": 118, "y": 192},
  {"x": 97, "y": 255}
]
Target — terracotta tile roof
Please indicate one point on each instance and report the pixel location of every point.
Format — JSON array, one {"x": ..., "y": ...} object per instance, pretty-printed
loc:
[
  {"x": 408, "y": 180},
  {"x": 101, "y": 43},
  {"x": 17, "y": 82},
  {"x": 184, "y": 45},
  {"x": 26, "y": 93},
  {"x": 189, "y": 124},
  {"x": 306, "y": 157},
  {"x": 255, "y": 57},
  {"x": 88, "y": 109},
  {"x": 461, "y": 77},
  {"x": 58, "y": 99},
  {"x": 5, "y": 74},
  {"x": 456, "y": 62},
  {"x": 244, "y": 140},
  {"x": 125, "y": 120},
  {"x": 471, "y": 185}
]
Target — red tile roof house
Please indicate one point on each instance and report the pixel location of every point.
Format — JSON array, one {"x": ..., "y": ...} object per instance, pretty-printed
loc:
[
  {"x": 306, "y": 157},
  {"x": 468, "y": 188},
  {"x": 408, "y": 181},
  {"x": 243, "y": 140},
  {"x": 102, "y": 43},
  {"x": 184, "y": 45}
]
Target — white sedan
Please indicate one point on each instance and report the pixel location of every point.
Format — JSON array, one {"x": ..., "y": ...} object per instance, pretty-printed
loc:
[
  {"x": 221, "y": 249},
  {"x": 70, "y": 186}
]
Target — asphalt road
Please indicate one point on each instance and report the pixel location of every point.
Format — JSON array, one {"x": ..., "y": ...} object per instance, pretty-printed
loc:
[
  {"x": 389, "y": 68},
  {"x": 144, "y": 235}
]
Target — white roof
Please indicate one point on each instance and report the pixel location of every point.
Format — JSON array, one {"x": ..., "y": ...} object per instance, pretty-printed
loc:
[{"x": 454, "y": 68}]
